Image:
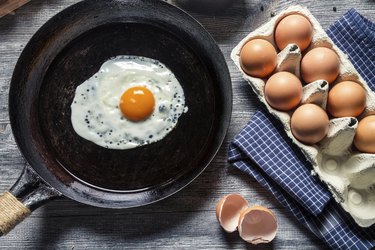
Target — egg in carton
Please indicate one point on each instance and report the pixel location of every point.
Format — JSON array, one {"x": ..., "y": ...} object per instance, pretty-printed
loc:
[{"x": 349, "y": 175}]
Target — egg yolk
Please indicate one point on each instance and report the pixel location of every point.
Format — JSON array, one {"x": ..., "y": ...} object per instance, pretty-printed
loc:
[{"x": 137, "y": 103}]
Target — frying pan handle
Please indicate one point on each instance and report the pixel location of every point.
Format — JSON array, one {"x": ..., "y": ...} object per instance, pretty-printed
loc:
[{"x": 26, "y": 195}]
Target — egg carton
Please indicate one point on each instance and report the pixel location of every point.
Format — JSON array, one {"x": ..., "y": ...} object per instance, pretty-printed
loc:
[{"x": 349, "y": 174}]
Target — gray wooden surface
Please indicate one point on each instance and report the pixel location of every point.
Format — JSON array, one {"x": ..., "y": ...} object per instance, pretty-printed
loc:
[{"x": 187, "y": 219}]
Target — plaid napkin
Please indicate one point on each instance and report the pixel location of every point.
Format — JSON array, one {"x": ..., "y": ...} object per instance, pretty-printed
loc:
[{"x": 282, "y": 169}]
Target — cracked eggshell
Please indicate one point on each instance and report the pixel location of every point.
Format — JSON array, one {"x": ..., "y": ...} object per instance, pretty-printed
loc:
[
  {"x": 257, "y": 225},
  {"x": 228, "y": 211},
  {"x": 334, "y": 159}
]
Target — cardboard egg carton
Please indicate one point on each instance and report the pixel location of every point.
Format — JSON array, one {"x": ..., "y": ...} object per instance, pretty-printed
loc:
[{"x": 349, "y": 174}]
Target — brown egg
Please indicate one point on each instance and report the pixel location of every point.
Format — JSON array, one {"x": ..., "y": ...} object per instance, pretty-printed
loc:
[
  {"x": 346, "y": 98},
  {"x": 364, "y": 138},
  {"x": 293, "y": 29},
  {"x": 258, "y": 58},
  {"x": 228, "y": 211},
  {"x": 309, "y": 123},
  {"x": 320, "y": 64},
  {"x": 283, "y": 91},
  {"x": 257, "y": 224}
]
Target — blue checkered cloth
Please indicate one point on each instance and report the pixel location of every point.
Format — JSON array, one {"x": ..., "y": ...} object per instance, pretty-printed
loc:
[{"x": 263, "y": 151}]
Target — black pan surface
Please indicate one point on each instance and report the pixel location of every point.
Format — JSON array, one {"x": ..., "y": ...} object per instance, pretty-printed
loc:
[{"x": 69, "y": 49}]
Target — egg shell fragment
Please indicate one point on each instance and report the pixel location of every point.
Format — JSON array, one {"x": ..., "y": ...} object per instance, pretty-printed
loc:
[
  {"x": 338, "y": 143},
  {"x": 228, "y": 211},
  {"x": 257, "y": 225}
]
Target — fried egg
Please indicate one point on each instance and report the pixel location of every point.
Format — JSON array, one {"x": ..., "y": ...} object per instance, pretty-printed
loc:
[{"x": 130, "y": 102}]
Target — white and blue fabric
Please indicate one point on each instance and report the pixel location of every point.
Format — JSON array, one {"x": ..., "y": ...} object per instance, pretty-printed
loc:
[{"x": 263, "y": 151}]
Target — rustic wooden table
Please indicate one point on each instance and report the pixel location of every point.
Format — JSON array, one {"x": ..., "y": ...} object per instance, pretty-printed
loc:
[{"x": 187, "y": 219}]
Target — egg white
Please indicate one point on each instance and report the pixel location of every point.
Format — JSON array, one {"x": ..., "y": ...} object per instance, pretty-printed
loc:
[{"x": 95, "y": 108}]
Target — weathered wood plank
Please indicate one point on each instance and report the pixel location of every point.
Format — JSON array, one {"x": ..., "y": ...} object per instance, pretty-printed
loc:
[
  {"x": 7, "y": 6},
  {"x": 187, "y": 219}
]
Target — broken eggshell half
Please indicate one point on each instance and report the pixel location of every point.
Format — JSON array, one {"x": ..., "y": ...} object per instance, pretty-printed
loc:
[
  {"x": 257, "y": 224},
  {"x": 334, "y": 159},
  {"x": 228, "y": 211}
]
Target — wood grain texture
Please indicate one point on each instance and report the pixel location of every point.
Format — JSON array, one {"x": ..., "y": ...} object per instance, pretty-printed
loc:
[
  {"x": 7, "y": 6},
  {"x": 187, "y": 219}
]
